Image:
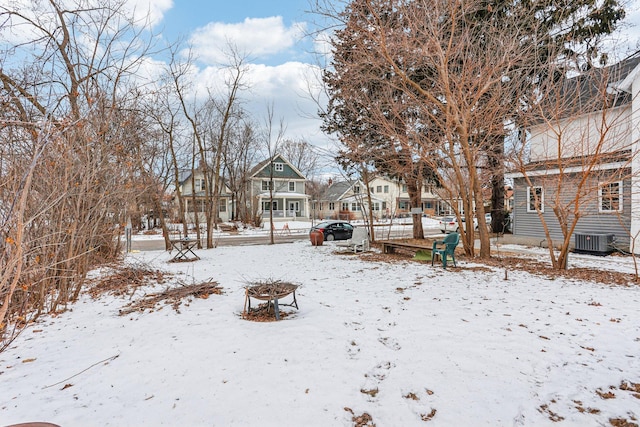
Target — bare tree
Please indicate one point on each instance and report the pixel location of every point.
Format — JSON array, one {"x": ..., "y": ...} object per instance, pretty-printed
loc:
[
  {"x": 65, "y": 160},
  {"x": 238, "y": 158},
  {"x": 301, "y": 155},
  {"x": 272, "y": 140}
]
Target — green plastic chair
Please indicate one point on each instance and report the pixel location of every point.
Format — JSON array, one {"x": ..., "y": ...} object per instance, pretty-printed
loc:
[{"x": 445, "y": 248}]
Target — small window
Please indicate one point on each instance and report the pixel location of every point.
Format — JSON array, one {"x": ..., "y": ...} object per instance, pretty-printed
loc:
[
  {"x": 386, "y": 188},
  {"x": 266, "y": 205},
  {"x": 535, "y": 199},
  {"x": 404, "y": 188},
  {"x": 332, "y": 206},
  {"x": 610, "y": 197},
  {"x": 223, "y": 205},
  {"x": 356, "y": 189},
  {"x": 345, "y": 206},
  {"x": 266, "y": 185},
  {"x": 292, "y": 186},
  {"x": 279, "y": 167},
  {"x": 355, "y": 207},
  {"x": 379, "y": 189}
]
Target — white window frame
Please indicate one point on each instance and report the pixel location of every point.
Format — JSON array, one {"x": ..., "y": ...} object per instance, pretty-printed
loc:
[
  {"x": 292, "y": 186},
  {"x": 278, "y": 167},
  {"x": 531, "y": 200},
  {"x": 332, "y": 206},
  {"x": 266, "y": 185},
  {"x": 601, "y": 185}
]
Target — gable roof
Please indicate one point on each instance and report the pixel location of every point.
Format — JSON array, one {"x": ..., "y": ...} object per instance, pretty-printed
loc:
[
  {"x": 594, "y": 90},
  {"x": 338, "y": 190},
  {"x": 261, "y": 170},
  {"x": 626, "y": 71}
]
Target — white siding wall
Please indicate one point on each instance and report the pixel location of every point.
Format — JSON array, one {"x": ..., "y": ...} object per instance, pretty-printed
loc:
[{"x": 580, "y": 136}]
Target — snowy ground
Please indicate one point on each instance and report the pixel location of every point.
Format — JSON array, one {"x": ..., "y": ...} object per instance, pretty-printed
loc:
[{"x": 407, "y": 343}]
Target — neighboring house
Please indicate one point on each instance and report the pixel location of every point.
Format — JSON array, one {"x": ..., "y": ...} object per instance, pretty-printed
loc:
[
  {"x": 564, "y": 149},
  {"x": 344, "y": 200},
  {"x": 187, "y": 180},
  {"x": 389, "y": 198},
  {"x": 396, "y": 198},
  {"x": 288, "y": 184}
]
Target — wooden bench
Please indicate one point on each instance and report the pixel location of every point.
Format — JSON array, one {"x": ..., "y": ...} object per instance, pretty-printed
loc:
[{"x": 390, "y": 246}]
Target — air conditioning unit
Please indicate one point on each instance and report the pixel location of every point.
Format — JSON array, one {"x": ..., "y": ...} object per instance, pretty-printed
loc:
[{"x": 594, "y": 243}]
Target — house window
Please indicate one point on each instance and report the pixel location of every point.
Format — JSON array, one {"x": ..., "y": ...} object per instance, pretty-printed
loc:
[
  {"x": 386, "y": 188},
  {"x": 356, "y": 189},
  {"x": 223, "y": 205},
  {"x": 332, "y": 206},
  {"x": 404, "y": 188},
  {"x": 292, "y": 186},
  {"x": 345, "y": 206},
  {"x": 279, "y": 167},
  {"x": 379, "y": 189},
  {"x": 200, "y": 185},
  {"x": 610, "y": 197},
  {"x": 274, "y": 205},
  {"x": 355, "y": 207},
  {"x": 535, "y": 199},
  {"x": 376, "y": 206},
  {"x": 266, "y": 185}
]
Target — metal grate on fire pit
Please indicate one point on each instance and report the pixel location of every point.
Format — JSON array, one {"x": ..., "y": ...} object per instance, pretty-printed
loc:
[{"x": 271, "y": 292}]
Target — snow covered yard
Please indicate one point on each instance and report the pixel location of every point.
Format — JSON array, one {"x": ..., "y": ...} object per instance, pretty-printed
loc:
[{"x": 397, "y": 343}]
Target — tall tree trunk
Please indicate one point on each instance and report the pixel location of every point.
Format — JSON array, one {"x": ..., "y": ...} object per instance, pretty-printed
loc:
[
  {"x": 495, "y": 156},
  {"x": 414, "y": 188}
]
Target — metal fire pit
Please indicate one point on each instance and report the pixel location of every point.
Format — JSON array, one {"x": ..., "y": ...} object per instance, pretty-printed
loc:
[{"x": 271, "y": 292}]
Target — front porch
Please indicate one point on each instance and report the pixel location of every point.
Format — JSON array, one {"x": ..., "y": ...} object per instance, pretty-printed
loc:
[{"x": 285, "y": 207}]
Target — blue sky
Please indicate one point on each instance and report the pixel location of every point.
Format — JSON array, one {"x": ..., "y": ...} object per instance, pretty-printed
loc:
[{"x": 274, "y": 37}]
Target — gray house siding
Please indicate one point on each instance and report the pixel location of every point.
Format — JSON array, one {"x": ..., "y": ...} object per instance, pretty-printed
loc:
[{"x": 527, "y": 224}]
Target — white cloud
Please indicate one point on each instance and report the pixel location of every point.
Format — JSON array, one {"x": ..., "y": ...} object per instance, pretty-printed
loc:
[
  {"x": 153, "y": 9},
  {"x": 286, "y": 86},
  {"x": 256, "y": 37}
]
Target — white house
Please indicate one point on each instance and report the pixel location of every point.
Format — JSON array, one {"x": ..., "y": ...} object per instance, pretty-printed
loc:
[
  {"x": 194, "y": 196},
  {"x": 389, "y": 198}
]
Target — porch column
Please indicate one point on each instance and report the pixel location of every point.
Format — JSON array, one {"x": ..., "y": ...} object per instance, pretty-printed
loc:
[{"x": 285, "y": 208}]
